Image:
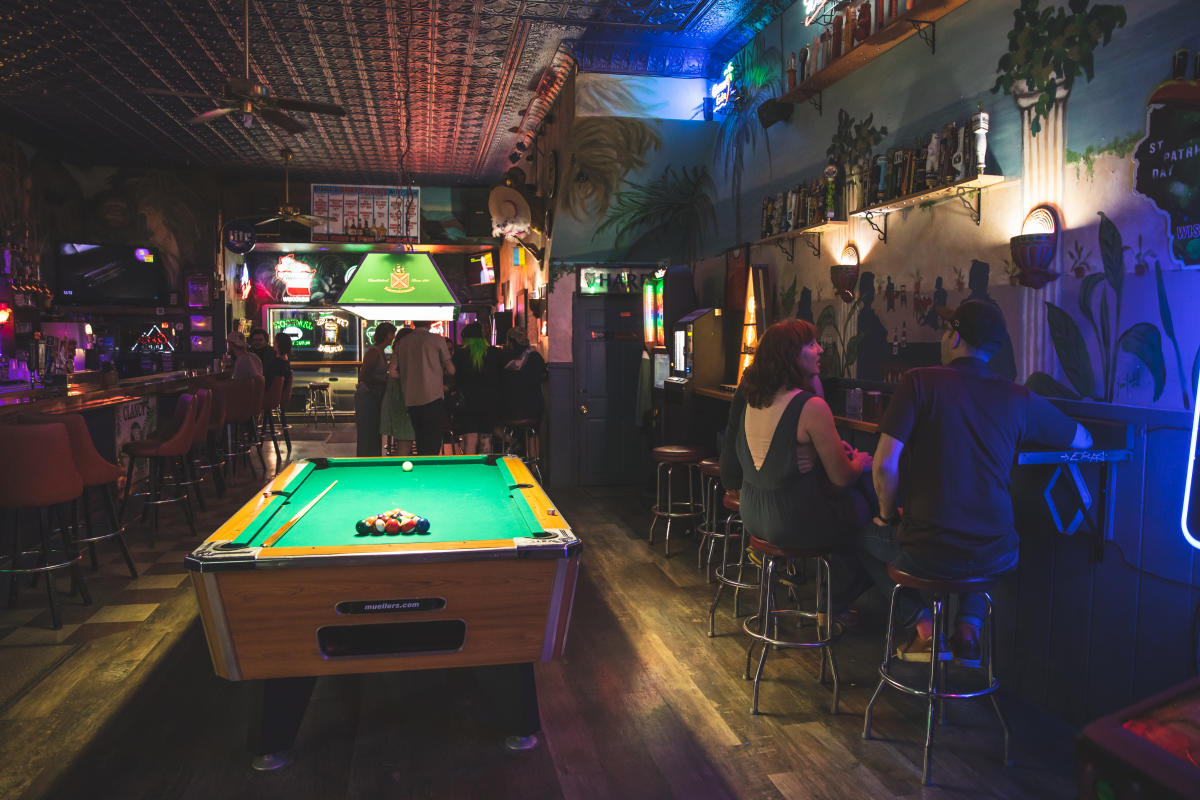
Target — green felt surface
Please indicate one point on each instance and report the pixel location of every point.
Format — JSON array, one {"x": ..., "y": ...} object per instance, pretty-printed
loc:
[{"x": 464, "y": 499}]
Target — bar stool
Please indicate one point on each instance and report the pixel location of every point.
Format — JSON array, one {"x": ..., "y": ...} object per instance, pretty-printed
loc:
[
  {"x": 272, "y": 397},
  {"x": 769, "y": 617},
  {"x": 98, "y": 474},
  {"x": 213, "y": 459},
  {"x": 934, "y": 689},
  {"x": 187, "y": 478},
  {"x": 667, "y": 458},
  {"x": 162, "y": 453},
  {"x": 525, "y": 430},
  {"x": 320, "y": 401},
  {"x": 37, "y": 472},
  {"x": 733, "y": 504},
  {"x": 285, "y": 400},
  {"x": 711, "y": 529}
]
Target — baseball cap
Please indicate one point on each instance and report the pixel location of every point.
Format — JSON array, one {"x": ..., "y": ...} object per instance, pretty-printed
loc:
[
  {"x": 978, "y": 322},
  {"x": 236, "y": 338}
]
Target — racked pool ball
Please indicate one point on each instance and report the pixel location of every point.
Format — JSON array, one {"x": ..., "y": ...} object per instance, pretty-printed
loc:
[
  {"x": 362, "y": 528},
  {"x": 392, "y": 527},
  {"x": 406, "y": 466},
  {"x": 422, "y": 525},
  {"x": 380, "y": 524}
]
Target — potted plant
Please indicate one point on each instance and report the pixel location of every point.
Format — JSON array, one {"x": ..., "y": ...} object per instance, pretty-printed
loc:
[
  {"x": 850, "y": 149},
  {"x": 1049, "y": 48}
]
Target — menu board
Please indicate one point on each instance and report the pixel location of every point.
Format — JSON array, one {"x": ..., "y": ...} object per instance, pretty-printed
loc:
[{"x": 390, "y": 214}]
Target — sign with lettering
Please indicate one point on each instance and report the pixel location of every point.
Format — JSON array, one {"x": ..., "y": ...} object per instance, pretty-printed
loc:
[
  {"x": 1168, "y": 164},
  {"x": 390, "y": 214},
  {"x": 614, "y": 278}
]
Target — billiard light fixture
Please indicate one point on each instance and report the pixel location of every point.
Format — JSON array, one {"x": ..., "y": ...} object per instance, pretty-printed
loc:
[{"x": 1034, "y": 250}]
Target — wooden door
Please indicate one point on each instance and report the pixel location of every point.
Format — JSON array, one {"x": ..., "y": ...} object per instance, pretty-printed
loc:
[{"x": 608, "y": 354}]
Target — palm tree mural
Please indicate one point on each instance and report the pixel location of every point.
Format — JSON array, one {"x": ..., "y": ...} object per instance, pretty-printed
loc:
[
  {"x": 675, "y": 210},
  {"x": 604, "y": 149},
  {"x": 756, "y": 73}
]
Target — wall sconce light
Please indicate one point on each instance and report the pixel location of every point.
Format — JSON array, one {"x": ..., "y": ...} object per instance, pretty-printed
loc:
[
  {"x": 845, "y": 273},
  {"x": 1034, "y": 250}
]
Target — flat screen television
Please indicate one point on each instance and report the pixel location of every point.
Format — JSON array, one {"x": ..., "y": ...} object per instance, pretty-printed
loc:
[{"x": 92, "y": 274}]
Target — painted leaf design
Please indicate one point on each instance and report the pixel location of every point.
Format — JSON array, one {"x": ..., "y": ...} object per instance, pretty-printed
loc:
[
  {"x": 1086, "y": 290},
  {"x": 1072, "y": 350},
  {"x": 852, "y": 350},
  {"x": 1144, "y": 343},
  {"x": 1164, "y": 307},
  {"x": 1112, "y": 252},
  {"x": 1105, "y": 325},
  {"x": 1043, "y": 384},
  {"x": 826, "y": 319}
]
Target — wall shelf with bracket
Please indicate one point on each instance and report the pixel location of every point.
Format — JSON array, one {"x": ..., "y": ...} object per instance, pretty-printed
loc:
[
  {"x": 969, "y": 193},
  {"x": 786, "y": 241},
  {"x": 919, "y": 20}
]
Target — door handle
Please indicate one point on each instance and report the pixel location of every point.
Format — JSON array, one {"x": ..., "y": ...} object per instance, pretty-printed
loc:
[{"x": 583, "y": 409}]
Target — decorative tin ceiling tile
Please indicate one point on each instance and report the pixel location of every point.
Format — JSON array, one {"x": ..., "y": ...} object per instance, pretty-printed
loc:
[{"x": 444, "y": 80}]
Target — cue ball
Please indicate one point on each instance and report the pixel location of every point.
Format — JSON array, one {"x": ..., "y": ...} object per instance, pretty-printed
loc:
[{"x": 406, "y": 466}]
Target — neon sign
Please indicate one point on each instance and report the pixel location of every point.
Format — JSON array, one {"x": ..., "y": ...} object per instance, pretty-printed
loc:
[
  {"x": 330, "y": 328},
  {"x": 722, "y": 90},
  {"x": 297, "y": 330},
  {"x": 297, "y": 279},
  {"x": 1190, "y": 520}
]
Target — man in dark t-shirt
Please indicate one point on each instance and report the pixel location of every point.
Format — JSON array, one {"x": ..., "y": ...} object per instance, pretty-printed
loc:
[{"x": 947, "y": 445}]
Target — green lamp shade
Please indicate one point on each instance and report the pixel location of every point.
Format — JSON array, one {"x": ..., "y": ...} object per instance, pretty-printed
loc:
[{"x": 399, "y": 286}]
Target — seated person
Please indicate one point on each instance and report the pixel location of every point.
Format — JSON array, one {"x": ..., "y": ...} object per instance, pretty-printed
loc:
[
  {"x": 782, "y": 451},
  {"x": 260, "y": 345},
  {"x": 958, "y": 427},
  {"x": 245, "y": 364}
]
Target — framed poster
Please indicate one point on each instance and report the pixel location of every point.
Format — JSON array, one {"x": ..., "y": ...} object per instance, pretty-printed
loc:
[{"x": 350, "y": 213}]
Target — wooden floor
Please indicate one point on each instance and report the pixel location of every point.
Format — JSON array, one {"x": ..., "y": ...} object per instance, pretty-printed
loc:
[{"x": 645, "y": 705}]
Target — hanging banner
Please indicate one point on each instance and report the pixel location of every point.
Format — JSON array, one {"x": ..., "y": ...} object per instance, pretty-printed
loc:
[{"x": 368, "y": 214}]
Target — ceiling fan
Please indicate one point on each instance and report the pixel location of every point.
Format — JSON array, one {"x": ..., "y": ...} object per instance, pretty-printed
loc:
[
  {"x": 288, "y": 212},
  {"x": 254, "y": 100}
]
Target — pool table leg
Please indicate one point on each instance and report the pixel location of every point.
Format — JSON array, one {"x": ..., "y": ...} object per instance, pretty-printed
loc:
[
  {"x": 513, "y": 695},
  {"x": 276, "y": 710}
]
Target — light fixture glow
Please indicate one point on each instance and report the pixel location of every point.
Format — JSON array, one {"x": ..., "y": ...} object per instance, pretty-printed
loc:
[{"x": 1039, "y": 220}]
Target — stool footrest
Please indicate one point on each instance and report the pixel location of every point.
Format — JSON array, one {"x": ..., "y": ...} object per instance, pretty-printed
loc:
[{"x": 896, "y": 683}]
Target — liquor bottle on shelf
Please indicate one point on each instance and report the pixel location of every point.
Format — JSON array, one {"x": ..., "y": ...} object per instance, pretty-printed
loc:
[
  {"x": 791, "y": 72},
  {"x": 803, "y": 65},
  {"x": 836, "y": 50},
  {"x": 879, "y": 21},
  {"x": 895, "y": 342},
  {"x": 831, "y": 182},
  {"x": 903, "y": 335}
]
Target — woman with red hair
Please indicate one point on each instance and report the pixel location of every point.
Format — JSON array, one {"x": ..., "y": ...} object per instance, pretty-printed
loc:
[{"x": 783, "y": 451}]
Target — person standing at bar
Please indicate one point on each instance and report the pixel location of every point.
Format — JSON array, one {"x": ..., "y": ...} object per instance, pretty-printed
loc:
[
  {"x": 958, "y": 427},
  {"x": 422, "y": 361},
  {"x": 477, "y": 368},
  {"x": 368, "y": 398}
]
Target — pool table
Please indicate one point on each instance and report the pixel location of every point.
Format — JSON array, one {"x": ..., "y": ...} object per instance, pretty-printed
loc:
[{"x": 289, "y": 590}]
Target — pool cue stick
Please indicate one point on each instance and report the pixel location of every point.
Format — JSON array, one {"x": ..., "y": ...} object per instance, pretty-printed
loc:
[{"x": 274, "y": 537}]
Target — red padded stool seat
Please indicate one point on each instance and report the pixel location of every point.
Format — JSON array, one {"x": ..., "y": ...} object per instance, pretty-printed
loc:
[
  {"x": 933, "y": 685},
  {"x": 37, "y": 472},
  {"x": 98, "y": 474},
  {"x": 769, "y": 616},
  {"x": 167, "y": 454},
  {"x": 667, "y": 457},
  {"x": 733, "y": 502}
]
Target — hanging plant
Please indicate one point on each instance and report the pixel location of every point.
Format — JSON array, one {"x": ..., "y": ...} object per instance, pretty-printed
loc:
[{"x": 1048, "y": 47}]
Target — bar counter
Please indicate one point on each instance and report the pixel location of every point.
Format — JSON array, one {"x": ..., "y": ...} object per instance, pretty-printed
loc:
[{"x": 90, "y": 395}]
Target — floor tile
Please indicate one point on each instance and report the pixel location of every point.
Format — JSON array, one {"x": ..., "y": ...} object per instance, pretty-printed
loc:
[
  {"x": 156, "y": 582},
  {"x": 31, "y": 636},
  {"x": 18, "y": 616},
  {"x": 128, "y": 612}
]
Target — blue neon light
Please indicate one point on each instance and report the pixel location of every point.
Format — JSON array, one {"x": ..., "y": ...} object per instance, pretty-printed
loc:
[
  {"x": 722, "y": 90},
  {"x": 1186, "y": 521}
]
